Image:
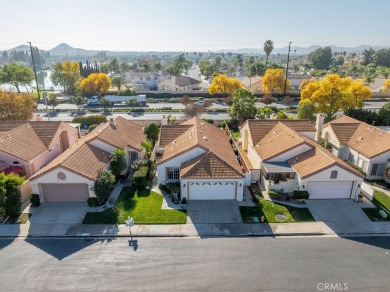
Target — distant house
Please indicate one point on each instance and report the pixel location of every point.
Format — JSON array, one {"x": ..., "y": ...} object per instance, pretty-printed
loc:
[
  {"x": 363, "y": 145},
  {"x": 377, "y": 85},
  {"x": 71, "y": 176},
  {"x": 253, "y": 84},
  {"x": 141, "y": 81},
  {"x": 178, "y": 83},
  {"x": 296, "y": 79}
]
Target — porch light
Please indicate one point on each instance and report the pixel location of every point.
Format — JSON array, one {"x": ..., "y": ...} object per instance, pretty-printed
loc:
[
  {"x": 184, "y": 185},
  {"x": 303, "y": 186}
]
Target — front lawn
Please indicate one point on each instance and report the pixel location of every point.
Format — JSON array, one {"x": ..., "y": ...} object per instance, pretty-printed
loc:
[
  {"x": 143, "y": 205},
  {"x": 270, "y": 209},
  {"x": 382, "y": 201}
]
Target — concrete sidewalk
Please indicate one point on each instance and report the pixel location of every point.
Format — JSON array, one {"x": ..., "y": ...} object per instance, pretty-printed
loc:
[{"x": 201, "y": 230}]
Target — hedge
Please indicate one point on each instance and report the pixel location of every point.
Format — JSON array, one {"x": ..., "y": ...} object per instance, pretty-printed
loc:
[
  {"x": 90, "y": 120},
  {"x": 139, "y": 176},
  {"x": 34, "y": 200},
  {"x": 301, "y": 195}
]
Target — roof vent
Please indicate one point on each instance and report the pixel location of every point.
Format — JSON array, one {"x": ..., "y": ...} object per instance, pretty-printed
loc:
[
  {"x": 204, "y": 138},
  {"x": 296, "y": 158},
  {"x": 360, "y": 138}
]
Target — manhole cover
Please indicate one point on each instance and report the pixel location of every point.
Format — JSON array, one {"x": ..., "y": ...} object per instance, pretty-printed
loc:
[{"x": 280, "y": 217}]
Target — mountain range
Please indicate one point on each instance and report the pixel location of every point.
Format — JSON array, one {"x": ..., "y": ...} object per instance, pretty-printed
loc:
[{"x": 65, "y": 49}]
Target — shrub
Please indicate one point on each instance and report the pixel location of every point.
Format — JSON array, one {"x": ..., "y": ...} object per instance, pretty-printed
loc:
[
  {"x": 173, "y": 187},
  {"x": 13, "y": 201},
  {"x": 138, "y": 163},
  {"x": 210, "y": 121},
  {"x": 118, "y": 162},
  {"x": 301, "y": 195},
  {"x": 103, "y": 184},
  {"x": 34, "y": 200},
  {"x": 139, "y": 176},
  {"x": 184, "y": 200},
  {"x": 90, "y": 120},
  {"x": 93, "y": 202},
  {"x": 92, "y": 127},
  {"x": 274, "y": 194}
]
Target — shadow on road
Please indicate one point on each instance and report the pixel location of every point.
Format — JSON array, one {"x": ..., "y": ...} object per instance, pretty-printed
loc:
[{"x": 377, "y": 241}]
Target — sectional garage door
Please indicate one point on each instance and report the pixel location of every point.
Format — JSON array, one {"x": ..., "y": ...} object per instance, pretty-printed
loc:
[
  {"x": 212, "y": 191},
  {"x": 330, "y": 190},
  {"x": 64, "y": 193}
]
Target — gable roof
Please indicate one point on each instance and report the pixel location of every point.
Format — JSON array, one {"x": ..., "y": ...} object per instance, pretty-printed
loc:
[
  {"x": 122, "y": 133},
  {"x": 316, "y": 160},
  {"x": 259, "y": 128},
  {"x": 45, "y": 130},
  {"x": 206, "y": 136},
  {"x": 278, "y": 140},
  {"x": 82, "y": 158},
  {"x": 364, "y": 138},
  {"x": 168, "y": 133},
  {"x": 22, "y": 142},
  {"x": 185, "y": 81},
  {"x": 208, "y": 165}
]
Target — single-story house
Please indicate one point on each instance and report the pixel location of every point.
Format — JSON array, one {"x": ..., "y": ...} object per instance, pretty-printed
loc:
[
  {"x": 71, "y": 176},
  {"x": 281, "y": 155},
  {"x": 178, "y": 83},
  {"x": 363, "y": 145},
  {"x": 253, "y": 84},
  {"x": 200, "y": 157},
  {"x": 30, "y": 145}
]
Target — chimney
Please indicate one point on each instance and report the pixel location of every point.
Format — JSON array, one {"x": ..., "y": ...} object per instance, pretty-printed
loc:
[
  {"x": 319, "y": 123},
  {"x": 273, "y": 116},
  {"x": 112, "y": 122},
  {"x": 164, "y": 120}
]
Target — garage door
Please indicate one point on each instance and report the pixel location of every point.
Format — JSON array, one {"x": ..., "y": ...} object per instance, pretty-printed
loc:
[
  {"x": 212, "y": 191},
  {"x": 64, "y": 193},
  {"x": 330, "y": 190}
]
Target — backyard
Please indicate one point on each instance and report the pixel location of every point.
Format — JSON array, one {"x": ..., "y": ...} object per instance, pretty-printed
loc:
[
  {"x": 270, "y": 209},
  {"x": 143, "y": 205}
]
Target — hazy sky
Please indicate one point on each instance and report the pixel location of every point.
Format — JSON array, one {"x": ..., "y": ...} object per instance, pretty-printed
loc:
[{"x": 192, "y": 25}]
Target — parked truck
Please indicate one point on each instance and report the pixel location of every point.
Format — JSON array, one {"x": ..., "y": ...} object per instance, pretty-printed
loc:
[{"x": 94, "y": 100}]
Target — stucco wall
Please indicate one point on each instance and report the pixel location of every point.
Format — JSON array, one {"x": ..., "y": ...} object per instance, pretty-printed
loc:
[
  {"x": 176, "y": 162},
  {"x": 8, "y": 159},
  {"x": 331, "y": 136}
]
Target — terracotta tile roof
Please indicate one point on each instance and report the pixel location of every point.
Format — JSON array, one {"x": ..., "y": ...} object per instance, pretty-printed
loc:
[
  {"x": 364, "y": 138},
  {"x": 316, "y": 160},
  {"x": 278, "y": 140},
  {"x": 22, "y": 142},
  {"x": 168, "y": 133},
  {"x": 208, "y": 165},
  {"x": 123, "y": 133},
  {"x": 259, "y": 128},
  {"x": 205, "y": 136},
  {"x": 82, "y": 158},
  {"x": 45, "y": 130}
]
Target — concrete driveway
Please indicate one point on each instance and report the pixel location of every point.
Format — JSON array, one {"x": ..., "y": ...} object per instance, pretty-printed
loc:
[
  {"x": 337, "y": 211},
  {"x": 59, "y": 213},
  {"x": 213, "y": 211}
]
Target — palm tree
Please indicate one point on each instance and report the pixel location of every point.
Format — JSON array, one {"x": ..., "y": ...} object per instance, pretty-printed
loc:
[{"x": 268, "y": 47}]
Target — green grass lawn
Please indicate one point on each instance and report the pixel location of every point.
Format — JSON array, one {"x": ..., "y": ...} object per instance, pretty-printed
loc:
[
  {"x": 382, "y": 201},
  {"x": 143, "y": 205},
  {"x": 270, "y": 209}
]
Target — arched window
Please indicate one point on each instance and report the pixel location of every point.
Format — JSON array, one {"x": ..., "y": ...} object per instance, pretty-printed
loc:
[
  {"x": 333, "y": 174},
  {"x": 15, "y": 162}
]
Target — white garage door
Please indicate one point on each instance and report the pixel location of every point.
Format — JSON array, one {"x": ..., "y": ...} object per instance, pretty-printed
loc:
[
  {"x": 330, "y": 190},
  {"x": 65, "y": 193},
  {"x": 212, "y": 191}
]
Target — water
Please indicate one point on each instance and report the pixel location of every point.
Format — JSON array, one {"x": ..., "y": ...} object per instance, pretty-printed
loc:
[{"x": 47, "y": 82}]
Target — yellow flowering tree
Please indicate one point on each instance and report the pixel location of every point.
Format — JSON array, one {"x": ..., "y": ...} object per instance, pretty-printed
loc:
[
  {"x": 96, "y": 83},
  {"x": 225, "y": 85},
  {"x": 334, "y": 93},
  {"x": 273, "y": 81},
  {"x": 386, "y": 85}
]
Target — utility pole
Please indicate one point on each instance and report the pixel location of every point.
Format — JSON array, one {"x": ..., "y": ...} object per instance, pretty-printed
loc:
[
  {"x": 288, "y": 60},
  {"x": 35, "y": 72}
]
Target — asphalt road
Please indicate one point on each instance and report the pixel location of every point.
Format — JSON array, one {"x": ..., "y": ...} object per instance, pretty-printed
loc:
[{"x": 183, "y": 264}]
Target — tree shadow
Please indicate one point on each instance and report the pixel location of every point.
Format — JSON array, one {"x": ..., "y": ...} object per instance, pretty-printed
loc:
[{"x": 377, "y": 241}]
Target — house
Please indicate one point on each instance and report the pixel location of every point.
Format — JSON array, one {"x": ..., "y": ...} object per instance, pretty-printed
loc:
[
  {"x": 363, "y": 145},
  {"x": 71, "y": 176},
  {"x": 281, "y": 155},
  {"x": 27, "y": 146},
  {"x": 178, "y": 83},
  {"x": 144, "y": 80},
  {"x": 253, "y": 84},
  {"x": 377, "y": 85},
  {"x": 296, "y": 79},
  {"x": 200, "y": 157}
]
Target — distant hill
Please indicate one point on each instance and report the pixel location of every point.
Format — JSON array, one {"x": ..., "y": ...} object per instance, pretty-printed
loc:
[
  {"x": 20, "y": 48},
  {"x": 64, "y": 49}
]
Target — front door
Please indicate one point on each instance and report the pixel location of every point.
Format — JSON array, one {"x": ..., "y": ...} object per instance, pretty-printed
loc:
[{"x": 133, "y": 156}]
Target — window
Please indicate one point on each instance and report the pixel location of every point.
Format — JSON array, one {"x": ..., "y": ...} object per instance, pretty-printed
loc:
[
  {"x": 140, "y": 78},
  {"x": 351, "y": 158},
  {"x": 377, "y": 169},
  {"x": 15, "y": 162},
  {"x": 333, "y": 174},
  {"x": 173, "y": 173},
  {"x": 148, "y": 79}
]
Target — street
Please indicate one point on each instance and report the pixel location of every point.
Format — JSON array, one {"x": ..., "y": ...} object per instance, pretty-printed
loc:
[{"x": 191, "y": 264}]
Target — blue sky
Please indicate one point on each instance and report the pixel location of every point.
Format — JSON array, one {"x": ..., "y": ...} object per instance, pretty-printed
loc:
[{"x": 192, "y": 25}]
